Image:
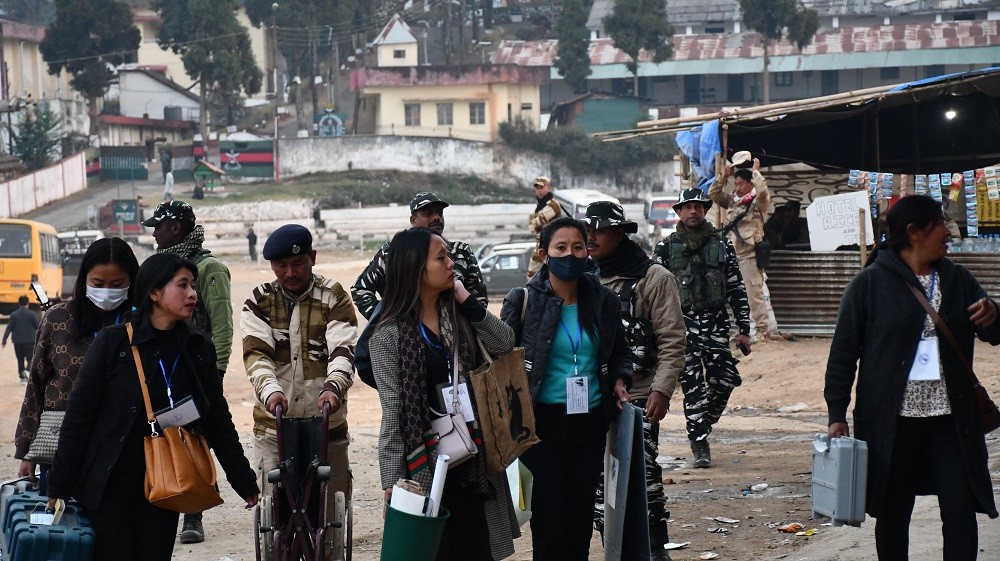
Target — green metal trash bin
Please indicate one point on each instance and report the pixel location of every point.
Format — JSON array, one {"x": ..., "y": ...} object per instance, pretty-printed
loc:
[{"x": 412, "y": 538}]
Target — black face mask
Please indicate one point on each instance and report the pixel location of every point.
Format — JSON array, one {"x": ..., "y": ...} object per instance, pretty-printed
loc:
[{"x": 567, "y": 267}]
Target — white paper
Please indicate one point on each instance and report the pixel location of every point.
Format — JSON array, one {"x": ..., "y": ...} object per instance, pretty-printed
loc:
[
  {"x": 611, "y": 484},
  {"x": 183, "y": 413},
  {"x": 405, "y": 501},
  {"x": 437, "y": 485},
  {"x": 41, "y": 518},
  {"x": 926, "y": 365},
  {"x": 464, "y": 401},
  {"x": 577, "y": 395}
]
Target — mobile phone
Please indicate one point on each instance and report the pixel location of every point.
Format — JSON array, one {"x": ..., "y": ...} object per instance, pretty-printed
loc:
[
  {"x": 744, "y": 349},
  {"x": 39, "y": 290}
]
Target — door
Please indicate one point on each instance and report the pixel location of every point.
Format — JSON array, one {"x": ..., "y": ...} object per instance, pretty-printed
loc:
[
  {"x": 692, "y": 89},
  {"x": 829, "y": 82},
  {"x": 734, "y": 88}
]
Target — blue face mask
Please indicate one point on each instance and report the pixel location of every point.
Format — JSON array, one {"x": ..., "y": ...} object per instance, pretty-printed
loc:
[{"x": 567, "y": 267}]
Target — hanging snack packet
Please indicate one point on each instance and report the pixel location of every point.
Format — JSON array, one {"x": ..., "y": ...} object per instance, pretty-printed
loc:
[
  {"x": 852, "y": 179},
  {"x": 886, "y": 186},
  {"x": 919, "y": 184}
]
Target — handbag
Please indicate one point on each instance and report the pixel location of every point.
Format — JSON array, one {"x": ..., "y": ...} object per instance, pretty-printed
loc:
[
  {"x": 989, "y": 414},
  {"x": 180, "y": 471},
  {"x": 454, "y": 439},
  {"x": 506, "y": 415},
  {"x": 43, "y": 447}
]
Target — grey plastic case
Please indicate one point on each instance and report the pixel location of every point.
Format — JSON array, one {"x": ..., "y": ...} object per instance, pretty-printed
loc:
[{"x": 839, "y": 479}]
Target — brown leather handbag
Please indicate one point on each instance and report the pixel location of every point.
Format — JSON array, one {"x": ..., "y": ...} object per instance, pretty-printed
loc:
[
  {"x": 180, "y": 471},
  {"x": 989, "y": 414}
]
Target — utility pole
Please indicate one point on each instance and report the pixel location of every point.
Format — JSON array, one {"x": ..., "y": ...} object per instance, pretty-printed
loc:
[
  {"x": 315, "y": 73},
  {"x": 277, "y": 94}
]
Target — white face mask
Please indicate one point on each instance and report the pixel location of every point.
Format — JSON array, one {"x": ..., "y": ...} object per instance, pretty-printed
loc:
[{"x": 107, "y": 299}]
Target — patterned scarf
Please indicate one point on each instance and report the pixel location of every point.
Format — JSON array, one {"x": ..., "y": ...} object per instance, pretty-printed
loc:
[
  {"x": 190, "y": 246},
  {"x": 694, "y": 241},
  {"x": 418, "y": 439}
]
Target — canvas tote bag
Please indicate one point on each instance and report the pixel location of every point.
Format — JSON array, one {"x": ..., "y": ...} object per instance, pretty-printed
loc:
[
  {"x": 506, "y": 415},
  {"x": 180, "y": 471}
]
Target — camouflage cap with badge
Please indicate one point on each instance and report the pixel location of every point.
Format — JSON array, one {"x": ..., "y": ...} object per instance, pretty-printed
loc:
[{"x": 171, "y": 210}]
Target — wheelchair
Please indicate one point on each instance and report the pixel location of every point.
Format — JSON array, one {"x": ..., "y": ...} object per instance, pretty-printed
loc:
[{"x": 290, "y": 523}]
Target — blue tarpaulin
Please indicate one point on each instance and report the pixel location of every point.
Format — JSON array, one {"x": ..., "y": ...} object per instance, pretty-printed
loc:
[{"x": 700, "y": 145}]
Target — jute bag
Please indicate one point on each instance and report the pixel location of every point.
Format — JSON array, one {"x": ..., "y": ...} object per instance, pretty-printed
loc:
[
  {"x": 505, "y": 412},
  {"x": 43, "y": 448},
  {"x": 180, "y": 471}
]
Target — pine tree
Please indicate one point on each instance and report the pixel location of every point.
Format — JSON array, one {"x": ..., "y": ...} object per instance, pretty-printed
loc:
[
  {"x": 88, "y": 39},
  {"x": 214, "y": 47},
  {"x": 573, "y": 60},
  {"x": 636, "y": 25},
  {"x": 36, "y": 138},
  {"x": 770, "y": 18}
]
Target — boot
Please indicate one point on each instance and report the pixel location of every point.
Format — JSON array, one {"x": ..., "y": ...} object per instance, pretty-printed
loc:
[
  {"x": 192, "y": 531},
  {"x": 661, "y": 555},
  {"x": 702, "y": 454}
]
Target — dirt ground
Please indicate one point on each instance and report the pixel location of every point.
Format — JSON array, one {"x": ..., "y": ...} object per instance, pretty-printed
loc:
[{"x": 752, "y": 444}]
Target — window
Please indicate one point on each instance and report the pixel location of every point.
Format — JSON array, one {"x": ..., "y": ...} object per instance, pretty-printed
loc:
[
  {"x": 889, "y": 73},
  {"x": 445, "y": 114},
  {"x": 525, "y": 107},
  {"x": 509, "y": 263},
  {"x": 477, "y": 113},
  {"x": 399, "y": 53},
  {"x": 934, "y": 70},
  {"x": 412, "y": 111},
  {"x": 783, "y": 79},
  {"x": 50, "y": 248},
  {"x": 488, "y": 264}
]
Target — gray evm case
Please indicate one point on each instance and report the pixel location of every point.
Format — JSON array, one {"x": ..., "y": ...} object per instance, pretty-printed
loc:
[{"x": 839, "y": 479}]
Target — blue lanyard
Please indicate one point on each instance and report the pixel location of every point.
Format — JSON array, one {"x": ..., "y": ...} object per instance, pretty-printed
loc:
[
  {"x": 930, "y": 296},
  {"x": 118, "y": 320},
  {"x": 575, "y": 345},
  {"x": 167, "y": 379},
  {"x": 437, "y": 347}
]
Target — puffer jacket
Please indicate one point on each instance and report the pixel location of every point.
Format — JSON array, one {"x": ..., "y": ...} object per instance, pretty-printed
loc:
[{"x": 541, "y": 319}]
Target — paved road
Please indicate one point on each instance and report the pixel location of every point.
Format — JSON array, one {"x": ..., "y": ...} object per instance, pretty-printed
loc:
[{"x": 72, "y": 212}]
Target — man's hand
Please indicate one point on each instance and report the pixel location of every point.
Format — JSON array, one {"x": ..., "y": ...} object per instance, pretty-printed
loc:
[
  {"x": 330, "y": 397},
  {"x": 727, "y": 171},
  {"x": 837, "y": 430},
  {"x": 983, "y": 313},
  {"x": 756, "y": 164},
  {"x": 656, "y": 407},
  {"x": 461, "y": 293},
  {"x": 27, "y": 469},
  {"x": 744, "y": 341},
  {"x": 274, "y": 400},
  {"x": 621, "y": 393}
]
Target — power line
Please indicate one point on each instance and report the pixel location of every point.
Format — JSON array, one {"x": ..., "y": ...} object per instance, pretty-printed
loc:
[{"x": 125, "y": 53}]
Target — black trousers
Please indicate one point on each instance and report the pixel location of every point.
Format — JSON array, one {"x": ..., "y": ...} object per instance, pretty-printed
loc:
[
  {"x": 23, "y": 352},
  {"x": 566, "y": 466},
  {"x": 927, "y": 455},
  {"x": 128, "y": 528},
  {"x": 466, "y": 535}
]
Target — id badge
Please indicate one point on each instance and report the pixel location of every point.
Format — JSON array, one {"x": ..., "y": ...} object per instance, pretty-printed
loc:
[
  {"x": 577, "y": 395},
  {"x": 184, "y": 412},
  {"x": 464, "y": 400},
  {"x": 926, "y": 365}
]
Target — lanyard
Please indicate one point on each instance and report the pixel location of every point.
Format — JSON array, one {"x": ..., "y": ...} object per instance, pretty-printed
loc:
[
  {"x": 437, "y": 347},
  {"x": 930, "y": 295},
  {"x": 167, "y": 379},
  {"x": 575, "y": 345},
  {"x": 118, "y": 320}
]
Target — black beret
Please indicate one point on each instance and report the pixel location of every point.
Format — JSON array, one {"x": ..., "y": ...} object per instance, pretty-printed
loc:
[{"x": 287, "y": 241}]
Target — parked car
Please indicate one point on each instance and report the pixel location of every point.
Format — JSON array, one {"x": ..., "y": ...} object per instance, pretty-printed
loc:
[
  {"x": 575, "y": 201},
  {"x": 506, "y": 266}
]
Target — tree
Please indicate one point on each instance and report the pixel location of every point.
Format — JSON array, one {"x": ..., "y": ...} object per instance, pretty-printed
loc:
[
  {"x": 573, "y": 60},
  {"x": 214, "y": 47},
  {"x": 771, "y": 18},
  {"x": 35, "y": 12},
  {"x": 89, "y": 38},
  {"x": 36, "y": 138},
  {"x": 636, "y": 25}
]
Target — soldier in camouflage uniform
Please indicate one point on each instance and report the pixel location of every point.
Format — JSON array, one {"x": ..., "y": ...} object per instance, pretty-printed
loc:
[
  {"x": 174, "y": 229},
  {"x": 426, "y": 211},
  {"x": 654, "y": 326},
  {"x": 708, "y": 273}
]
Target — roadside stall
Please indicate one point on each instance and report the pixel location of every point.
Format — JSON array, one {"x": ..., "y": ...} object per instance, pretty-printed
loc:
[{"x": 936, "y": 136}]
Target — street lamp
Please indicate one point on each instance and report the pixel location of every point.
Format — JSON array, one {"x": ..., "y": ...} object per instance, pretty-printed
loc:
[{"x": 274, "y": 37}]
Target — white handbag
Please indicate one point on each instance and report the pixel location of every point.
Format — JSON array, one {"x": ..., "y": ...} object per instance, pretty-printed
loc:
[{"x": 454, "y": 439}]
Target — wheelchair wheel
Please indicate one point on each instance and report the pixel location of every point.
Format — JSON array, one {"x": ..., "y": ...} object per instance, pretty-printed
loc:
[
  {"x": 264, "y": 530},
  {"x": 339, "y": 528}
]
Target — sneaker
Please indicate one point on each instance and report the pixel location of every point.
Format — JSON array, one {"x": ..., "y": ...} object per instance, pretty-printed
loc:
[
  {"x": 702, "y": 453},
  {"x": 192, "y": 531}
]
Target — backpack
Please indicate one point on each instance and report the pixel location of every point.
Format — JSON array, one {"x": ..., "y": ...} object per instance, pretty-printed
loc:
[
  {"x": 638, "y": 331},
  {"x": 362, "y": 353}
]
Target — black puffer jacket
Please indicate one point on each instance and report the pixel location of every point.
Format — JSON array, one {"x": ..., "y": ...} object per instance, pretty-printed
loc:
[{"x": 541, "y": 319}]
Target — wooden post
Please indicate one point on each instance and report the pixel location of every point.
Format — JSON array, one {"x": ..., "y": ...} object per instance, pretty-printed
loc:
[{"x": 863, "y": 229}]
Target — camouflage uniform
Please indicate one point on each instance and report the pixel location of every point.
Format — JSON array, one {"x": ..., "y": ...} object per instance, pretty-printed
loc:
[
  {"x": 371, "y": 282},
  {"x": 709, "y": 375}
]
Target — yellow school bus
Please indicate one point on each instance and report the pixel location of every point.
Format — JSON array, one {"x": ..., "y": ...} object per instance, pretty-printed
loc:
[{"x": 29, "y": 252}]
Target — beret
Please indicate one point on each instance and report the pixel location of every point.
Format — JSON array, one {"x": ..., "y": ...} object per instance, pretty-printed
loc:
[{"x": 287, "y": 241}]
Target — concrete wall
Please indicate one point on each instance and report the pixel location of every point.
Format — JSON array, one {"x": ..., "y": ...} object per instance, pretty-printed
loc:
[
  {"x": 499, "y": 163},
  {"x": 57, "y": 181},
  {"x": 386, "y": 54}
]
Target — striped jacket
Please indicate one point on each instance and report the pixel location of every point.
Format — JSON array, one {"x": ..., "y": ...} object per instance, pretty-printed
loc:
[{"x": 299, "y": 346}]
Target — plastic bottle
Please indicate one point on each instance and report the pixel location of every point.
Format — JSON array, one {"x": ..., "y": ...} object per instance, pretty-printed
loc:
[{"x": 968, "y": 245}]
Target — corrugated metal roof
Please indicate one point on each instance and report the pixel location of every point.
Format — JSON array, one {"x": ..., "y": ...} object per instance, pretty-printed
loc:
[
  {"x": 716, "y": 47},
  {"x": 396, "y": 32}
]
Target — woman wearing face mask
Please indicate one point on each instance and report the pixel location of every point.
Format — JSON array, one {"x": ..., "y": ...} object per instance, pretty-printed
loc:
[
  {"x": 101, "y": 297},
  {"x": 579, "y": 366}
]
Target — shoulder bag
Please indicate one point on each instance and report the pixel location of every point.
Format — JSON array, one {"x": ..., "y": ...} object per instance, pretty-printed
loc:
[
  {"x": 180, "y": 471},
  {"x": 989, "y": 415},
  {"x": 454, "y": 439}
]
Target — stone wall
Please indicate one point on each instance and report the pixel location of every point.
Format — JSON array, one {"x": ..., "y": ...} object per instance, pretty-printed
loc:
[{"x": 504, "y": 165}]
